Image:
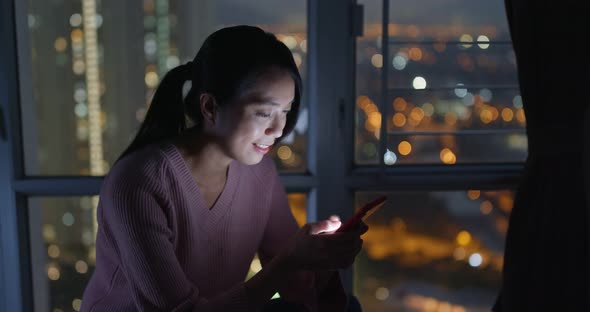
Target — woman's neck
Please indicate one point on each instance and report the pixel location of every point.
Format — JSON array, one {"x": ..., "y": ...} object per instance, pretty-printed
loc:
[{"x": 203, "y": 156}]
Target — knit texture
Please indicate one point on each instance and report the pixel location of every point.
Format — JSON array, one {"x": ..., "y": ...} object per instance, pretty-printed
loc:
[{"x": 159, "y": 248}]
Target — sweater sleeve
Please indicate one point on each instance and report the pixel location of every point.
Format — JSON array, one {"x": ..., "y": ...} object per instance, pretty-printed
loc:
[
  {"x": 137, "y": 212},
  {"x": 280, "y": 228}
]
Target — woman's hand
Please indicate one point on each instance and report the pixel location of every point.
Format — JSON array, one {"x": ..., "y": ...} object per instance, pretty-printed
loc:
[{"x": 317, "y": 246}]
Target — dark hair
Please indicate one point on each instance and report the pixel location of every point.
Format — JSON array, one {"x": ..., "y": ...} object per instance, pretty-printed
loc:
[{"x": 226, "y": 66}]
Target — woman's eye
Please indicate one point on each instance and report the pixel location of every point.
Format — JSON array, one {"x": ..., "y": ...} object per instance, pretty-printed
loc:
[{"x": 262, "y": 114}]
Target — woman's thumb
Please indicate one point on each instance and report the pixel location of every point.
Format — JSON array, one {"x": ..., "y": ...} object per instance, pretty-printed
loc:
[{"x": 324, "y": 226}]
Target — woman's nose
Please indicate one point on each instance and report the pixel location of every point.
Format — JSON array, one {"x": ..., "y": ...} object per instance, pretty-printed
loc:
[{"x": 276, "y": 128}]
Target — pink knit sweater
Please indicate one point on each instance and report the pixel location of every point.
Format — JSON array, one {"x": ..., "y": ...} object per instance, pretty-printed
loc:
[{"x": 159, "y": 248}]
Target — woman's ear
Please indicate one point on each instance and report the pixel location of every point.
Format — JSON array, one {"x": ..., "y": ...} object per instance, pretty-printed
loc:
[{"x": 208, "y": 108}]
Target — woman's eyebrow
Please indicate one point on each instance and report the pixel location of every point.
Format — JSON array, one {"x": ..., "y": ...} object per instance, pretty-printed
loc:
[{"x": 269, "y": 102}]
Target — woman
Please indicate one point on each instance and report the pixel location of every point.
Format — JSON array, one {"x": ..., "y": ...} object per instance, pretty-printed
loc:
[{"x": 193, "y": 198}]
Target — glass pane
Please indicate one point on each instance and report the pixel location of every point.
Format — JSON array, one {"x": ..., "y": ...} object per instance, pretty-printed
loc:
[
  {"x": 443, "y": 65},
  {"x": 63, "y": 248},
  {"x": 441, "y": 19},
  {"x": 484, "y": 125},
  {"x": 369, "y": 60},
  {"x": 453, "y": 109},
  {"x": 298, "y": 203},
  {"x": 449, "y": 69},
  {"x": 433, "y": 251},
  {"x": 96, "y": 64},
  {"x": 460, "y": 148}
]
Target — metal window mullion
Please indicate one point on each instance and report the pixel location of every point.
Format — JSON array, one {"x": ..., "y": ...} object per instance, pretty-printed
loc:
[
  {"x": 383, "y": 107},
  {"x": 15, "y": 269},
  {"x": 451, "y": 88},
  {"x": 309, "y": 95},
  {"x": 58, "y": 186},
  {"x": 330, "y": 82},
  {"x": 428, "y": 42}
]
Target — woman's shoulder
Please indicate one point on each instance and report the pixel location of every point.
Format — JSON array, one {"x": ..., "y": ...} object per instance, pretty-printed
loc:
[{"x": 147, "y": 163}]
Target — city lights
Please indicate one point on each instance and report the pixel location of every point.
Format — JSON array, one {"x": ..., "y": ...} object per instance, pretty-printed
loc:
[
  {"x": 68, "y": 219},
  {"x": 460, "y": 90},
  {"x": 517, "y": 101},
  {"x": 486, "y": 207},
  {"x": 76, "y": 304},
  {"x": 415, "y": 54},
  {"x": 289, "y": 41},
  {"x": 447, "y": 156},
  {"x": 76, "y": 20},
  {"x": 473, "y": 194},
  {"x": 81, "y": 267},
  {"x": 377, "y": 60},
  {"x": 507, "y": 114},
  {"x": 482, "y": 42},
  {"x": 389, "y": 158},
  {"x": 419, "y": 83},
  {"x": 404, "y": 148},
  {"x": 468, "y": 99},
  {"x": 399, "y": 104},
  {"x": 382, "y": 293},
  {"x": 53, "y": 272},
  {"x": 399, "y": 62},
  {"x": 53, "y": 251},
  {"x": 486, "y": 94},
  {"x": 60, "y": 44},
  {"x": 463, "y": 238},
  {"x": 466, "y": 40},
  {"x": 459, "y": 253},
  {"x": 428, "y": 109},
  {"x": 151, "y": 79},
  {"x": 399, "y": 120},
  {"x": 520, "y": 116},
  {"x": 284, "y": 152},
  {"x": 303, "y": 45},
  {"x": 475, "y": 260},
  {"x": 433, "y": 87}
]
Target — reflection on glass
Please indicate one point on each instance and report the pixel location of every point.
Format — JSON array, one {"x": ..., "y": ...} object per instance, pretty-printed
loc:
[
  {"x": 433, "y": 251},
  {"x": 96, "y": 65},
  {"x": 63, "y": 248},
  {"x": 447, "y": 70}
]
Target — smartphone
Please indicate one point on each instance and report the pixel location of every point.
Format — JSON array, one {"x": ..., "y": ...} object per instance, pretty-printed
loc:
[{"x": 362, "y": 214}]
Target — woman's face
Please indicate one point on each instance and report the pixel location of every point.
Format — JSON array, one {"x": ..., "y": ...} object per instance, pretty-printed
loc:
[{"x": 249, "y": 128}]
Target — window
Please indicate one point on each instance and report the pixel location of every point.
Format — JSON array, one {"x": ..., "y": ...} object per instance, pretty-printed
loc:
[
  {"x": 444, "y": 76},
  {"x": 425, "y": 109},
  {"x": 437, "y": 97}
]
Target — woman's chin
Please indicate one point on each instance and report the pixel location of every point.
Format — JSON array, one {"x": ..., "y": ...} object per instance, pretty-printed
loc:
[{"x": 251, "y": 160}]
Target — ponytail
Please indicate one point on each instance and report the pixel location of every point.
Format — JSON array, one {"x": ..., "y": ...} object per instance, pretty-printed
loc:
[{"x": 165, "y": 117}]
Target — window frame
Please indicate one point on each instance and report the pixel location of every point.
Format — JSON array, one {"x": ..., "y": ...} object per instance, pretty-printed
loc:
[{"x": 330, "y": 181}]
